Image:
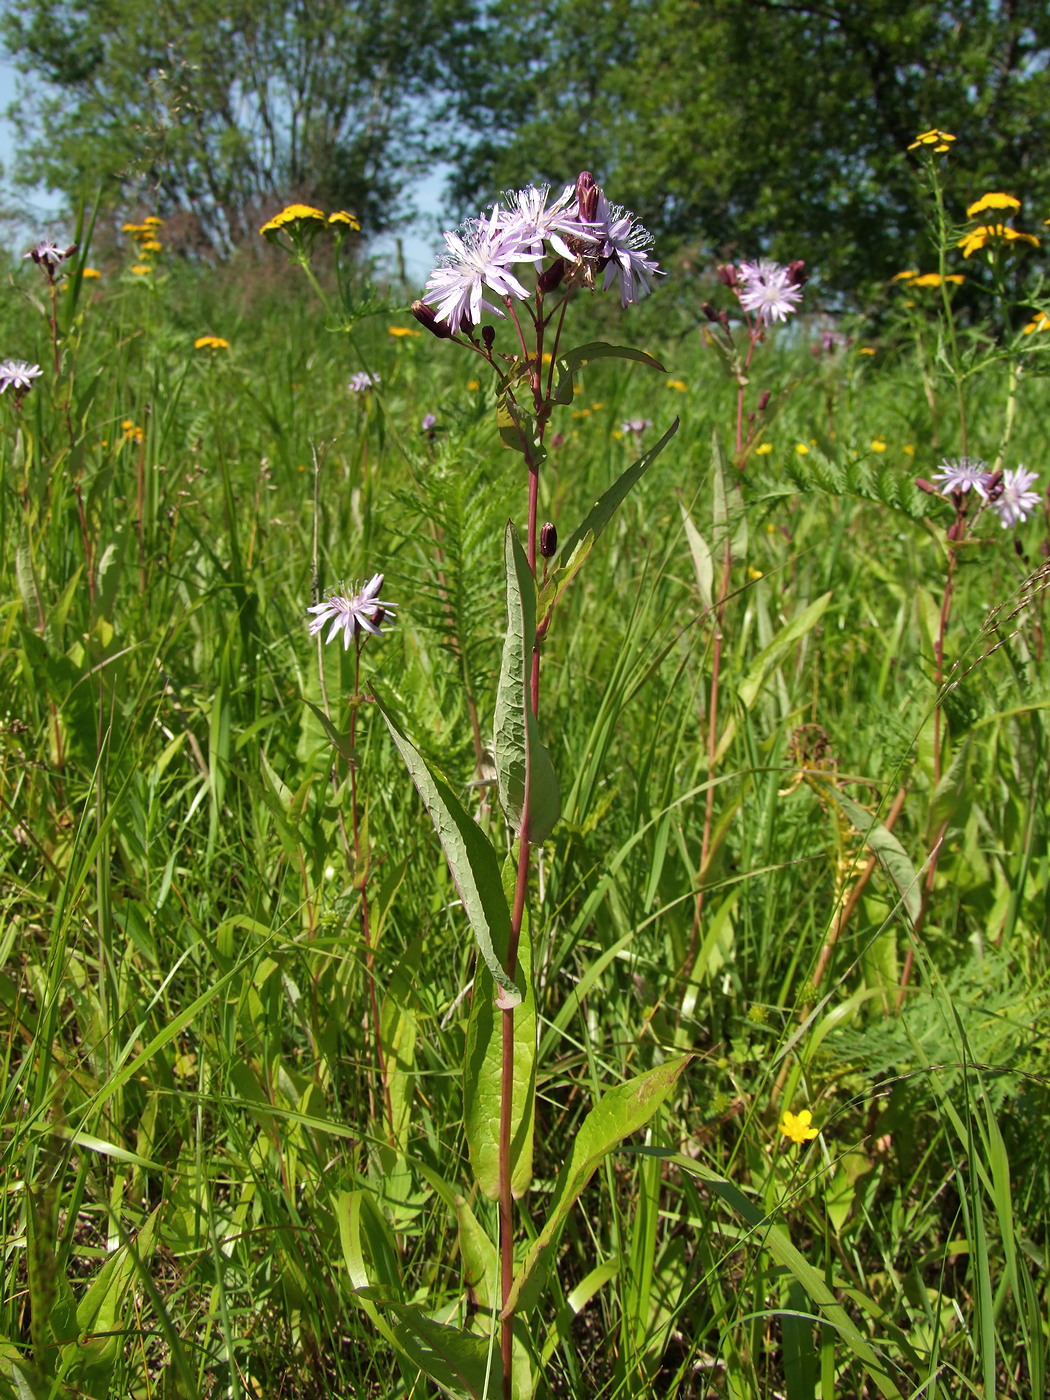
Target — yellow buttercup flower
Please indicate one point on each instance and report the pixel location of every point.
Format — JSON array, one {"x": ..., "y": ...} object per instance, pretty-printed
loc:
[
  {"x": 763, "y": 448},
  {"x": 90, "y": 272},
  {"x": 878, "y": 444},
  {"x": 211, "y": 342},
  {"x": 801, "y": 448},
  {"x": 473, "y": 384},
  {"x": 993, "y": 201},
  {"x": 1039, "y": 322},
  {"x": 867, "y": 350},
  {"x": 909, "y": 448},
  {"x": 678, "y": 384},
  {"x": 796, "y": 1126}
]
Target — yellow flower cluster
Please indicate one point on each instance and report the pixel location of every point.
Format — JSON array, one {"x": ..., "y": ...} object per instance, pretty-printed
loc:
[
  {"x": 211, "y": 342},
  {"x": 940, "y": 140},
  {"x": 1039, "y": 322},
  {"x": 993, "y": 236},
  {"x": 302, "y": 223},
  {"x": 147, "y": 242},
  {"x": 928, "y": 279},
  {"x": 131, "y": 432},
  {"x": 993, "y": 200}
]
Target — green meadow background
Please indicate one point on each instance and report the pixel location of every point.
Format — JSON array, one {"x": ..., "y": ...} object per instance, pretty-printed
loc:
[{"x": 196, "y": 1179}]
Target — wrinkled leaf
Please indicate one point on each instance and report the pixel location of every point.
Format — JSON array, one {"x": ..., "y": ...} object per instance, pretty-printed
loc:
[
  {"x": 618, "y": 1113},
  {"x": 891, "y": 855},
  {"x": 523, "y": 764},
  {"x": 471, "y": 859}
]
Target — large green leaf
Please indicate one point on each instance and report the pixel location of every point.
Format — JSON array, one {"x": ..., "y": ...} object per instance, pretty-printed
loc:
[
  {"x": 617, "y": 1113},
  {"x": 462, "y": 1363},
  {"x": 607, "y": 505},
  {"x": 482, "y": 1075},
  {"x": 523, "y": 764},
  {"x": 570, "y": 364},
  {"x": 884, "y": 845},
  {"x": 470, "y": 857}
]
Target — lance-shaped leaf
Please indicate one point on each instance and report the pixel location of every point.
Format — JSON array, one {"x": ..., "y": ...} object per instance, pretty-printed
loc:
[
  {"x": 891, "y": 855},
  {"x": 751, "y": 686},
  {"x": 523, "y": 764},
  {"x": 471, "y": 859},
  {"x": 570, "y": 364},
  {"x": 728, "y": 518},
  {"x": 559, "y": 580},
  {"x": 617, "y": 1113},
  {"x": 607, "y": 505},
  {"x": 462, "y": 1363}
]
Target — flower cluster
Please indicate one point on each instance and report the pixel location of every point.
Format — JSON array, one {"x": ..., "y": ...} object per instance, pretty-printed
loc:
[
  {"x": 941, "y": 141},
  {"x": 580, "y": 231},
  {"x": 767, "y": 290},
  {"x": 1008, "y": 492},
  {"x": 147, "y": 242},
  {"x": 362, "y": 381},
  {"x": 301, "y": 223},
  {"x": 994, "y": 236},
  {"x": 352, "y": 612},
  {"x": 211, "y": 342}
]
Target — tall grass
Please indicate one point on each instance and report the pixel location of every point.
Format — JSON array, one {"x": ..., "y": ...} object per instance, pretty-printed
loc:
[{"x": 206, "y": 1183}]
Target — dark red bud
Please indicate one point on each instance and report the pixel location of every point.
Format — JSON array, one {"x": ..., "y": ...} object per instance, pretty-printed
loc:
[
  {"x": 796, "y": 272},
  {"x": 488, "y": 335},
  {"x": 709, "y": 311},
  {"x": 751, "y": 417},
  {"x": 587, "y": 193},
  {"x": 957, "y": 528},
  {"x": 550, "y": 277},
  {"x": 548, "y": 541},
  {"x": 927, "y": 486},
  {"x": 1018, "y": 547},
  {"x": 763, "y": 402},
  {"x": 727, "y": 276},
  {"x": 424, "y": 314}
]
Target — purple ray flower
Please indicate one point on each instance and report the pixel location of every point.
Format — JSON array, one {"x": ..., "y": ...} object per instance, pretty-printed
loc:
[
  {"x": 352, "y": 612},
  {"x": 482, "y": 254},
  {"x": 19, "y": 374},
  {"x": 1014, "y": 500}
]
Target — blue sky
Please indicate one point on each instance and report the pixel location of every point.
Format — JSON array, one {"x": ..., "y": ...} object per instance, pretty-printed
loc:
[{"x": 421, "y": 246}]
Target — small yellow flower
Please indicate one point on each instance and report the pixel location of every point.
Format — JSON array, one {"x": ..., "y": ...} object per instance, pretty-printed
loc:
[
  {"x": 211, "y": 342},
  {"x": 986, "y": 234},
  {"x": 399, "y": 331},
  {"x": 678, "y": 384},
  {"x": 754, "y": 573},
  {"x": 905, "y": 276},
  {"x": 300, "y": 221},
  {"x": 151, "y": 221},
  {"x": 142, "y": 270},
  {"x": 763, "y": 448},
  {"x": 993, "y": 201},
  {"x": 547, "y": 357},
  {"x": 134, "y": 228},
  {"x": 582, "y": 413},
  {"x": 291, "y": 214},
  {"x": 933, "y": 279},
  {"x": 341, "y": 216},
  {"x": 801, "y": 448},
  {"x": 939, "y": 140},
  {"x": 1039, "y": 322},
  {"x": 796, "y": 1126},
  {"x": 128, "y": 425},
  {"x": 597, "y": 406},
  {"x": 909, "y": 448},
  {"x": 878, "y": 444},
  {"x": 616, "y": 433},
  {"x": 473, "y": 384},
  {"x": 90, "y": 272},
  {"x": 150, "y": 245},
  {"x": 867, "y": 350}
]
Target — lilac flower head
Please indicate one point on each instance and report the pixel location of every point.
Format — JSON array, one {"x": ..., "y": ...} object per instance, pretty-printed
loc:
[
  {"x": 961, "y": 474},
  {"x": 352, "y": 612},
  {"x": 362, "y": 381},
  {"x": 625, "y": 247},
  {"x": 529, "y": 214},
  {"x": 768, "y": 290},
  {"x": 1013, "y": 500},
  {"x": 636, "y": 425},
  {"x": 19, "y": 374},
  {"x": 46, "y": 254},
  {"x": 429, "y": 422},
  {"x": 483, "y": 254}
]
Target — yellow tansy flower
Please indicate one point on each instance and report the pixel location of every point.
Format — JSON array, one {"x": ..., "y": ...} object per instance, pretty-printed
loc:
[
  {"x": 939, "y": 140},
  {"x": 992, "y": 201},
  {"x": 90, "y": 272},
  {"x": 342, "y": 216},
  {"x": 933, "y": 279},
  {"x": 151, "y": 221},
  {"x": 211, "y": 342},
  {"x": 867, "y": 350},
  {"x": 296, "y": 218},
  {"x": 151, "y": 246},
  {"x": 985, "y": 234},
  {"x": 401, "y": 331},
  {"x": 796, "y": 1126},
  {"x": 134, "y": 228},
  {"x": 905, "y": 276},
  {"x": 141, "y": 270},
  {"x": 1039, "y": 322}
]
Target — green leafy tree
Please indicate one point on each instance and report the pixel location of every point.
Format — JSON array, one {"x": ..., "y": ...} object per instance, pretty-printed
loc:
[
  {"x": 216, "y": 109},
  {"x": 748, "y": 125}
]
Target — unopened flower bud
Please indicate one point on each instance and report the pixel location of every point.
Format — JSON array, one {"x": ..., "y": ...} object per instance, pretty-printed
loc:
[
  {"x": 425, "y": 315},
  {"x": 551, "y": 276},
  {"x": 763, "y": 402},
  {"x": 796, "y": 273},
  {"x": 488, "y": 335},
  {"x": 587, "y": 193},
  {"x": 709, "y": 311},
  {"x": 723, "y": 320},
  {"x": 927, "y": 486},
  {"x": 957, "y": 529},
  {"x": 548, "y": 540},
  {"x": 727, "y": 276}
]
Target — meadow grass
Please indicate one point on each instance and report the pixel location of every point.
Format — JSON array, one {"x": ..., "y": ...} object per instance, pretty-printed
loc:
[{"x": 207, "y": 1188}]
